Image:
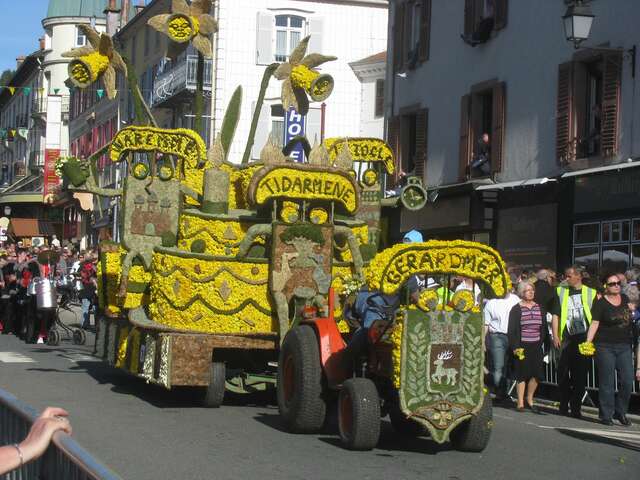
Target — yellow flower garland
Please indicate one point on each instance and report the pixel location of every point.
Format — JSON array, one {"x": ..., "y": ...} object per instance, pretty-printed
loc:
[
  {"x": 221, "y": 237},
  {"x": 519, "y": 353},
  {"x": 493, "y": 269},
  {"x": 212, "y": 295},
  {"x": 396, "y": 352}
]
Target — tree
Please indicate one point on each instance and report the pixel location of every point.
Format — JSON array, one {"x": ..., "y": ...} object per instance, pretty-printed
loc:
[{"x": 6, "y": 76}]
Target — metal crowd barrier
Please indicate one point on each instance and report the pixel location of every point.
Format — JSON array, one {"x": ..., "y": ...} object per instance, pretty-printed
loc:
[
  {"x": 63, "y": 460},
  {"x": 551, "y": 373}
]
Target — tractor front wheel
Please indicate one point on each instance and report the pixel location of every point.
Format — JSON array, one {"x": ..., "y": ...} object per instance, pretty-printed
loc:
[
  {"x": 359, "y": 414},
  {"x": 300, "y": 390},
  {"x": 473, "y": 435}
]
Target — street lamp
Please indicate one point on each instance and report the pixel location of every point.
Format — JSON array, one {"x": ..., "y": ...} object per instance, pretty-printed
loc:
[{"x": 577, "y": 22}]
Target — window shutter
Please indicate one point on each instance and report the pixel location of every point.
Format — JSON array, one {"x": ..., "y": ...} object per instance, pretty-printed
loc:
[
  {"x": 465, "y": 136},
  {"x": 316, "y": 30},
  {"x": 501, "y": 14},
  {"x": 469, "y": 19},
  {"x": 497, "y": 127},
  {"x": 393, "y": 139},
  {"x": 398, "y": 38},
  {"x": 264, "y": 40},
  {"x": 422, "y": 126},
  {"x": 610, "y": 103},
  {"x": 262, "y": 131},
  {"x": 565, "y": 148},
  {"x": 425, "y": 30}
]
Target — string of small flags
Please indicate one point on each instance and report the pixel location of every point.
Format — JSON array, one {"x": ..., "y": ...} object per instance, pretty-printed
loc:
[{"x": 27, "y": 90}]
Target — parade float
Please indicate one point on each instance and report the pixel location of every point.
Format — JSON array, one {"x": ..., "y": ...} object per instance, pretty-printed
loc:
[
  {"x": 237, "y": 275},
  {"x": 422, "y": 363},
  {"x": 218, "y": 260}
]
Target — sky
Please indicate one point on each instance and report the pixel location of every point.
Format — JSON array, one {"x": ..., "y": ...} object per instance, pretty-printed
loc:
[{"x": 21, "y": 28}]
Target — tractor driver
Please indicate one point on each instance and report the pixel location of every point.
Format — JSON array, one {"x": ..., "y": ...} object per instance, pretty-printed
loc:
[{"x": 373, "y": 308}]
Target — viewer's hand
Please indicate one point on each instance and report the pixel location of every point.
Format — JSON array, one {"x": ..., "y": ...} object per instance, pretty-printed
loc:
[
  {"x": 42, "y": 430},
  {"x": 556, "y": 342}
]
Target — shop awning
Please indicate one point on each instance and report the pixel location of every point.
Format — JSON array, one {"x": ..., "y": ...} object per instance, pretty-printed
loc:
[
  {"x": 517, "y": 183},
  {"x": 606, "y": 168},
  {"x": 31, "y": 227}
]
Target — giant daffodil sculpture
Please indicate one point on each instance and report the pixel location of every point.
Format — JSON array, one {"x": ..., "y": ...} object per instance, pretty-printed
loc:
[
  {"x": 187, "y": 24},
  {"x": 96, "y": 60},
  {"x": 300, "y": 78}
]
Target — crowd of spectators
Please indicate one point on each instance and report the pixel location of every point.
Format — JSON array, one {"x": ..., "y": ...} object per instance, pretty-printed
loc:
[{"x": 72, "y": 272}]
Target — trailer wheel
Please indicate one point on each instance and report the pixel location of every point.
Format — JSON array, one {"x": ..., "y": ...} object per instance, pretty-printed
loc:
[
  {"x": 214, "y": 393},
  {"x": 79, "y": 337},
  {"x": 403, "y": 425},
  {"x": 299, "y": 388},
  {"x": 53, "y": 337},
  {"x": 473, "y": 435},
  {"x": 359, "y": 414}
]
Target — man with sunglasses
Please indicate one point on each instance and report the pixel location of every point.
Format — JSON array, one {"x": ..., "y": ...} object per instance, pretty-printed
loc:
[{"x": 571, "y": 312}]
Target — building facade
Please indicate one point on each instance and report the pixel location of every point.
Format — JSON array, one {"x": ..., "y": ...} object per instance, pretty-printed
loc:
[
  {"x": 251, "y": 35},
  {"x": 522, "y": 140},
  {"x": 371, "y": 72}
]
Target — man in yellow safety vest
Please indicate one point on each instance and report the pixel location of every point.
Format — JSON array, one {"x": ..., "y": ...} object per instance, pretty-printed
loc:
[{"x": 571, "y": 312}]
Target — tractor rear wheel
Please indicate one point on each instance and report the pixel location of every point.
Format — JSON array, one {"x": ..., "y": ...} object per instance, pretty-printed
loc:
[
  {"x": 359, "y": 414},
  {"x": 473, "y": 435},
  {"x": 300, "y": 390},
  {"x": 214, "y": 394}
]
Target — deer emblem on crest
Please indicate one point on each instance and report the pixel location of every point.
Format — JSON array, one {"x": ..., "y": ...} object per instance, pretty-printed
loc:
[{"x": 450, "y": 374}]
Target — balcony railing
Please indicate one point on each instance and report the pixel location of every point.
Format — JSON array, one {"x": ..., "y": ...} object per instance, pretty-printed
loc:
[
  {"x": 40, "y": 102},
  {"x": 180, "y": 79}
]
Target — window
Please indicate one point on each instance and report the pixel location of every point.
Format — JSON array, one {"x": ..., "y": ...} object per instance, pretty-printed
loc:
[
  {"x": 289, "y": 32},
  {"x": 407, "y": 135},
  {"x": 411, "y": 30},
  {"x": 482, "y": 127},
  {"x": 379, "y": 105},
  {"x": 609, "y": 246},
  {"x": 81, "y": 39},
  {"x": 277, "y": 125},
  {"x": 482, "y": 18},
  {"x": 588, "y": 105}
]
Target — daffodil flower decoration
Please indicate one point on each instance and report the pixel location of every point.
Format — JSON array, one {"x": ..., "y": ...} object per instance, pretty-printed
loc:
[
  {"x": 300, "y": 78},
  {"x": 96, "y": 60},
  {"x": 187, "y": 24}
]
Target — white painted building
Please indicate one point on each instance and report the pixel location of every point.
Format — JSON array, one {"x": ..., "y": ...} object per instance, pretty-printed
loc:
[
  {"x": 371, "y": 72},
  {"x": 255, "y": 33}
]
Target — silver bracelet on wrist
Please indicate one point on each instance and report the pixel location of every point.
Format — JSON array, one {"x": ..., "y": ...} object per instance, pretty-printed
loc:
[{"x": 19, "y": 454}]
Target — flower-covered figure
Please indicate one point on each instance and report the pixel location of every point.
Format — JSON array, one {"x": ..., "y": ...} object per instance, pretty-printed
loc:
[
  {"x": 96, "y": 60},
  {"x": 187, "y": 24},
  {"x": 300, "y": 78}
]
